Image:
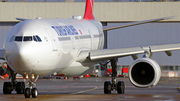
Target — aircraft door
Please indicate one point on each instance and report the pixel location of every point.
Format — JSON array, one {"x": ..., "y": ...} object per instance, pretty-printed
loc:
[
  {"x": 90, "y": 34},
  {"x": 53, "y": 40}
]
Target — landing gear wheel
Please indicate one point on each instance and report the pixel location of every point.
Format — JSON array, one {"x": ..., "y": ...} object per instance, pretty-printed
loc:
[
  {"x": 20, "y": 86},
  {"x": 113, "y": 85},
  {"x": 107, "y": 87},
  {"x": 27, "y": 93},
  {"x": 34, "y": 93},
  {"x": 7, "y": 88},
  {"x": 120, "y": 87}
]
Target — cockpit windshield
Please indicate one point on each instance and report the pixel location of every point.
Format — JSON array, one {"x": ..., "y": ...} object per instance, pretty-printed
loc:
[{"x": 35, "y": 38}]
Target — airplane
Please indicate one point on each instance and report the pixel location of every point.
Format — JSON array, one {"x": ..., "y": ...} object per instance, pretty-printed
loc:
[{"x": 38, "y": 47}]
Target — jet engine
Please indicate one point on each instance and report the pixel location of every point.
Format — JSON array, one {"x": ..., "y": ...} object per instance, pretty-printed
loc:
[
  {"x": 3, "y": 70},
  {"x": 144, "y": 73}
]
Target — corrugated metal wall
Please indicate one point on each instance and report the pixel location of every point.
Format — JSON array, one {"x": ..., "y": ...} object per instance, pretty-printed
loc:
[
  {"x": 103, "y": 11},
  {"x": 4, "y": 29},
  {"x": 146, "y": 34}
]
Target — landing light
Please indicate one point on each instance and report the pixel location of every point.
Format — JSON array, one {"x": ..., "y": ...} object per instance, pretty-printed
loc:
[
  {"x": 33, "y": 76},
  {"x": 27, "y": 76}
]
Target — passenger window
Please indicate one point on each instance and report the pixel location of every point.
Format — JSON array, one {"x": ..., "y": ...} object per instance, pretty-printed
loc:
[
  {"x": 18, "y": 38},
  {"x": 12, "y": 39},
  {"x": 27, "y": 38}
]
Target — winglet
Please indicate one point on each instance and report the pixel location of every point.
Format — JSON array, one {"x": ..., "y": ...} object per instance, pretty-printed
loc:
[{"x": 89, "y": 10}]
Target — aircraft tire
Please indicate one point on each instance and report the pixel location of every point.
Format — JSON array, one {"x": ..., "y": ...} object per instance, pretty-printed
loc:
[
  {"x": 107, "y": 87},
  {"x": 27, "y": 93},
  {"x": 34, "y": 93},
  {"x": 120, "y": 87},
  {"x": 20, "y": 86},
  {"x": 7, "y": 87}
]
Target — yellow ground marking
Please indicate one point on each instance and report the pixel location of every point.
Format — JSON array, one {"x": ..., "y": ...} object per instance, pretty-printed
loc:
[{"x": 86, "y": 90}]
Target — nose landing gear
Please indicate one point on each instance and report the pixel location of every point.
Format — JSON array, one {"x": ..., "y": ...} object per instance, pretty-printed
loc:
[
  {"x": 113, "y": 85},
  {"x": 31, "y": 90}
]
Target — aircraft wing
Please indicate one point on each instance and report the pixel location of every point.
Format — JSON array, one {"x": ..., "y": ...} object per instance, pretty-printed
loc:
[
  {"x": 95, "y": 56},
  {"x": 1, "y": 54},
  {"x": 110, "y": 27}
]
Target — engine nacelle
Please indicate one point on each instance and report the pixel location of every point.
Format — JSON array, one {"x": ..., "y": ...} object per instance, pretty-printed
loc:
[
  {"x": 144, "y": 73},
  {"x": 3, "y": 70}
]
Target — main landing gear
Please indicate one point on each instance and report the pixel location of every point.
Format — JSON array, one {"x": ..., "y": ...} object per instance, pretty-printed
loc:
[
  {"x": 8, "y": 87},
  {"x": 113, "y": 85}
]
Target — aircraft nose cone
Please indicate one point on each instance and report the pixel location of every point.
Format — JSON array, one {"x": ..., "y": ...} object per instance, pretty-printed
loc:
[
  {"x": 20, "y": 52},
  {"x": 20, "y": 57}
]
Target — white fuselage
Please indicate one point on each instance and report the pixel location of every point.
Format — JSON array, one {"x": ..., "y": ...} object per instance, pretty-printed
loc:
[{"x": 45, "y": 46}]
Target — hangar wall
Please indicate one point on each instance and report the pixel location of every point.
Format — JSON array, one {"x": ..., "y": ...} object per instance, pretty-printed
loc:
[
  {"x": 4, "y": 29},
  {"x": 103, "y": 11}
]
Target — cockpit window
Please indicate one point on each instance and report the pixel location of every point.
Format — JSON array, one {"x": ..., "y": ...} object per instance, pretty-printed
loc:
[
  {"x": 12, "y": 39},
  {"x": 34, "y": 37},
  {"x": 18, "y": 38},
  {"x": 27, "y": 38},
  {"x": 37, "y": 38}
]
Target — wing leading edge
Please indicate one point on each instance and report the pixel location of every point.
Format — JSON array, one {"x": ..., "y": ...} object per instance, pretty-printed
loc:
[{"x": 95, "y": 56}]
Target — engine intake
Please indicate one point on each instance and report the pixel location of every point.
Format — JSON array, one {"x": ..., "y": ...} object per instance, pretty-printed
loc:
[{"x": 144, "y": 73}]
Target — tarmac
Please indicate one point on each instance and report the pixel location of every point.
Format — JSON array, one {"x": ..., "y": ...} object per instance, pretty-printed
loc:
[{"x": 91, "y": 89}]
